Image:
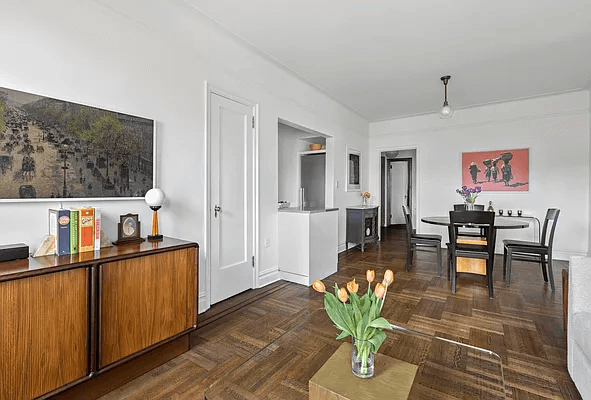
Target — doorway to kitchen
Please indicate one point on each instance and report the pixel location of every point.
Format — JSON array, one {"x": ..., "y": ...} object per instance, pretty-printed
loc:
[{"x": 305, "y": 161}]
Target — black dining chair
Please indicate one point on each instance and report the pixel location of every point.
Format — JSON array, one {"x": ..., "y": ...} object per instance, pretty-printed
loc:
[
  {"x": 416, "y": 241},
  {"x": 478, "y": 219},
  {"x": 471, "y": 233},
  {"x": 539, "y": 252}
]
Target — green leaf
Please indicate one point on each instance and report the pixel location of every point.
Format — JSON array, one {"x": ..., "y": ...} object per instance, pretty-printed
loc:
[
  {"x": 377, "y": 340},
  {"x": 342, "y": 335},
  {"x": 362, "y": 327},
  {"x": 356, "y": 312},
  {"x": 380, "y": 322},
  {"x": 331, "y": 305}
]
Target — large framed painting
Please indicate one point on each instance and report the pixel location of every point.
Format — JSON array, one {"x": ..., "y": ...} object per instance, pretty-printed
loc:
[
  {"x": 497, "y": 171},
  {"x": 353, "y": 170},
  {"x": 52, "y": 148}
]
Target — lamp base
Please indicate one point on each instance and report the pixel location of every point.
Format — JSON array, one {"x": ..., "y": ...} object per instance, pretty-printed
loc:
[{"x": 155, "y": 238}]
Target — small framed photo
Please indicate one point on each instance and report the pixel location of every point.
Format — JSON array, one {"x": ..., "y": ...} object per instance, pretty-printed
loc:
[
  {"x": 353, "y": 170},
  {"x": 128, "y": 229}
]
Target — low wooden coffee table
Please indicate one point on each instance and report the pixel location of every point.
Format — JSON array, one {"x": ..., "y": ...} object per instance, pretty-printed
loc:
[{"x": 445, "y": 369}]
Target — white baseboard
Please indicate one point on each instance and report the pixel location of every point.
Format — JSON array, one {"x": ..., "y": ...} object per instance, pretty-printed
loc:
[
  {"x": 268, "y": 276},
  {"x": 202, "y": 305},
  {"x": 295, "y": 278},
  {"x": 565, "y": 255},
  {"x": 342, "y": 247}
]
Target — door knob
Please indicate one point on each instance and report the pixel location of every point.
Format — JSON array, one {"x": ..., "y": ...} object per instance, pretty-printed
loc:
[{"x": 217, "y": 209}]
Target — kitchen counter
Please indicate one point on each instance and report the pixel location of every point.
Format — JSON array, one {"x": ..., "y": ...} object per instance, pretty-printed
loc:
[{"x": 307, "y": 210}]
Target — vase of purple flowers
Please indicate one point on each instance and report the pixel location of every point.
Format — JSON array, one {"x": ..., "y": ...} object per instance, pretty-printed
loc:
[{"x": 469, "y": 195}]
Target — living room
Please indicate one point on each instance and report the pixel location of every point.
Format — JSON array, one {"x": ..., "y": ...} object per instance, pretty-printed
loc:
[{"x": 157, "y": 61}]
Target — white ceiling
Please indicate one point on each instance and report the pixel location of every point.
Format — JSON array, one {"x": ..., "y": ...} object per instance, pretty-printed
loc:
[{"x": 384, "y": 58}]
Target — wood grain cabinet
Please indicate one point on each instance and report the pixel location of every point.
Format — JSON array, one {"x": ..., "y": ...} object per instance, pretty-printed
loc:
[
  {"x": 43, "y": 333},
  {"x": 76, "y": 327},
  {"x": 362, "y": 225},
  {"x": 143, "y": 301}
]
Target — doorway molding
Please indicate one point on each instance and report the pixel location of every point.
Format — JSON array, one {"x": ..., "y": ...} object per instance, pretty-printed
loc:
[
  {"x": 417, "y": 171},
  {"x": 204, "y": 300}
]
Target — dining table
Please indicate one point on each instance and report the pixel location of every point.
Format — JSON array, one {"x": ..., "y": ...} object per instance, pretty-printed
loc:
[
  {"x": 471, "y": 265},
  {"x": 500, "y": 222}
]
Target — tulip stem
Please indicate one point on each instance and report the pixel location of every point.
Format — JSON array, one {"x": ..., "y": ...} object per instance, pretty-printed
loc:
[{"x": 383, "y": 300}]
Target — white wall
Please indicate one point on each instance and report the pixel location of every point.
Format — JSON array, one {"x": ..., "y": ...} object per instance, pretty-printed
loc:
[
  {"x": 152, "y": 61},
  {"x": 554, "y": 128}
]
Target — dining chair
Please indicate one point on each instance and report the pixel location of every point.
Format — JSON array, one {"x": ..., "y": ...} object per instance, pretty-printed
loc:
[
  {"x": 478, "y": 219},
  {"x": 471, "y": 233},
  {"x": 416, "y": 241},
  {"x": 539, "y": 252}
]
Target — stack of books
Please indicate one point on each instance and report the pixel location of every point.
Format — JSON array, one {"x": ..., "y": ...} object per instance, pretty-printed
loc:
[{"x": 76, "y": 230}]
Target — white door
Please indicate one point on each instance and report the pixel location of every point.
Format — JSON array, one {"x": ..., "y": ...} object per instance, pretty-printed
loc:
[
  {"x": 232, "y": 197},
  {"x": 399, "y": 191}
]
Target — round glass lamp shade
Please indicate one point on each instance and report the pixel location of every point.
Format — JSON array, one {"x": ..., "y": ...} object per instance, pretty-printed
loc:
[
  {"x": 446, "y": 112},
  {"x": 155, "y": 197}
]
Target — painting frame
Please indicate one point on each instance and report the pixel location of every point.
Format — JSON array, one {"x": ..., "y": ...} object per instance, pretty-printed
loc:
[
  {"x": 121, "y": 184},
  {"x": 497, "y": 171},
  {"x": 353, "y": 163}
]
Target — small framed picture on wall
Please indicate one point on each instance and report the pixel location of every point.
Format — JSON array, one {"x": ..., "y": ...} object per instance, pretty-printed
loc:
[{"x": 353, "y": 170}]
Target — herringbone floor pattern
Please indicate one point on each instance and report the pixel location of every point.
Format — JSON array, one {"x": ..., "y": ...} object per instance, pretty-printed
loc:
[{"x": 523, "y": 324}]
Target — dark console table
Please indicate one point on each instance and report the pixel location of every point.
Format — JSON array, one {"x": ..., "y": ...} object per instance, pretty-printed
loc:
[{"x": 362, "y": 225}]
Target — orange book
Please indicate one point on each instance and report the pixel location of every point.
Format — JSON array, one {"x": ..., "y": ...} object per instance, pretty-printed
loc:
[{"x": 86, "y": 229}]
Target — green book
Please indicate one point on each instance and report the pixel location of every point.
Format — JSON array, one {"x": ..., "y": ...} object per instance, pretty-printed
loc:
[{"x": 73, "y": 231}]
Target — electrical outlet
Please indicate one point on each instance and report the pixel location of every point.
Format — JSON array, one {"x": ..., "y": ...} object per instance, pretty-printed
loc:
[{"x": 267, "y": 242}]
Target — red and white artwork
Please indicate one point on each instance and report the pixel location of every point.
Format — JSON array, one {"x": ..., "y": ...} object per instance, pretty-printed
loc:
[{"x": 497, "y": 170}]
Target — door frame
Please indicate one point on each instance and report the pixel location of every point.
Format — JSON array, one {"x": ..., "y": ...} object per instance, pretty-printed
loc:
[
  {"x": 417, "y": 172},
  {"x": 409, "y": 197},
  {"x": 205, "y": 298}
]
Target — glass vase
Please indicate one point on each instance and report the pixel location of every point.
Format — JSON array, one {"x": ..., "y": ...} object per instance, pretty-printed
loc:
[
  {"x": 364, "y": 201},
  {"x": 469, "y": 205},
  {"x": 362, "y": 359}
]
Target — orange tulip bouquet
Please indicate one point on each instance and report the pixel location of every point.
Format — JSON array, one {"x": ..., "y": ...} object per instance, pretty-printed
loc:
[{"x": 359, "y": 317}]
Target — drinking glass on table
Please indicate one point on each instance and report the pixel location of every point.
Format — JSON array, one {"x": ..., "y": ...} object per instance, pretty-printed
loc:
[
  {"x": 500, "y": 212},
  {"x": 519, "y": 212},
  {"x": 509, "y": 212}
]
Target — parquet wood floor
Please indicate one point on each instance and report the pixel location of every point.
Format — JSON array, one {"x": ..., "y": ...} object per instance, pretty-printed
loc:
[{"x": 523, "y": 324}]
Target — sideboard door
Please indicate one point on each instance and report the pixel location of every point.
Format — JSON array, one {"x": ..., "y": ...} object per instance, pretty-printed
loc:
[
  {"x": 144, "y": 300},
  {"x": 43, "y": 333}
]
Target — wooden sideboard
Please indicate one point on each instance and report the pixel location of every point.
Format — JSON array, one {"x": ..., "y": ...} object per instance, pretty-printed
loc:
[{"x": 79, "y": 326}]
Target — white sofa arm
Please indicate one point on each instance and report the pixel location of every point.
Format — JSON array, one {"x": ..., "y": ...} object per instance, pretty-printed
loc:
[{"x": 579, "y": 284}]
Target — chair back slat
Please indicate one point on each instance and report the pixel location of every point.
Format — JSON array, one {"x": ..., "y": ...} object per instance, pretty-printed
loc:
[
  {"x": 409, "y": 229},
  {"x": 473, "y": 219},
  {"x": 462, "y": 207},
  {"x": 551, "y": 217}
]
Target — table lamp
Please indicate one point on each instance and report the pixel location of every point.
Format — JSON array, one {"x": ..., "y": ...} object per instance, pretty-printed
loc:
[{"x": 154, "y": 198}]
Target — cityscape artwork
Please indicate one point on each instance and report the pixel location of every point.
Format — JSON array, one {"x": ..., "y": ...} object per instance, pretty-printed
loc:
[
  {"x": 497, "y": 170},
  {"x": 52, "y": 148}
]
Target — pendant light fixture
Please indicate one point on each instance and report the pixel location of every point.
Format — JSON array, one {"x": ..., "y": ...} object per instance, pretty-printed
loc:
[{"x": 446, "y": 111}]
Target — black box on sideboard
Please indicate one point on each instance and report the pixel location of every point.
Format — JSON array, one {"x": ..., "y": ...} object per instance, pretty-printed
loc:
[{"x": 9, "y": 252}]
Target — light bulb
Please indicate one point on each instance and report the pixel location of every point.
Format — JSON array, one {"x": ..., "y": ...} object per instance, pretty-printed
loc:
[{"x": 446, "y": 112}]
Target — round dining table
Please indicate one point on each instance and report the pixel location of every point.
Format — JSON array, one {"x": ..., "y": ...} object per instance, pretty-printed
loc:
[
  {"x": 477, "y": 266},
  {"x": 500, "y": 222}
]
